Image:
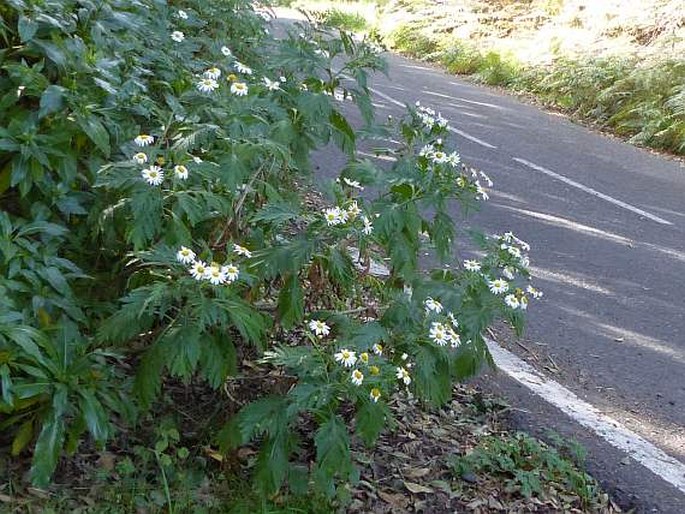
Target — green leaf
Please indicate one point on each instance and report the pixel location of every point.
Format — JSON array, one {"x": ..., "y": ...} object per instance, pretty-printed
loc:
[
  {"x": 432, "y": 375},
  {"x": 276, "y": 213},
  {"x": 343, "y": 134},
  {"x": 291, "y": 302},
  {"x": 94, "y": 415},
  {"x": 332, "y": 454},
  {"x": 22, "y": 437},
  {"x": 27, "y": 29},
  {"x": 51, "y": 100},
  {"x": 50, "y": 441},
  {"x": 96, "y": 131},
  {"x": 371, "y": 418}
]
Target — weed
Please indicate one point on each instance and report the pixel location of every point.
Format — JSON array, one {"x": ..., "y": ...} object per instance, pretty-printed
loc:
[{"x": 529, "y": 467}]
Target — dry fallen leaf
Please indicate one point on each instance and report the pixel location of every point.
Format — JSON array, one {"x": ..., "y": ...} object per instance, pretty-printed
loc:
[
  {"x": 398, "y": 501},
  {"x": 416, "y": 472},
  {"x": 417, "y": 488}
]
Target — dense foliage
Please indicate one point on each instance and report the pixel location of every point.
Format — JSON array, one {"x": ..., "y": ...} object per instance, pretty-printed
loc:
[{"x": 152, "y": 227}]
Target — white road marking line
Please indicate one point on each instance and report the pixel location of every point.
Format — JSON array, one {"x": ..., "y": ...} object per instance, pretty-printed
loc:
[
  {"x": 433, "y": 93},
  {"x": 380, "y": 157},
  {"x": 484, "y": 104},
  {"x": 451, "y": 129},
  {"x": 471, "y": 138},
  {"x": 386, "y": 97},
  {"x": 591, "y": 191},
  {"x": 658, "y": 462}
]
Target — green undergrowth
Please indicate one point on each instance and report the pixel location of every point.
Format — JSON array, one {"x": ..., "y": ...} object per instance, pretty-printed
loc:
[
  {"x": 531, "y": 468},
  {"x": 643, "y": 101}
]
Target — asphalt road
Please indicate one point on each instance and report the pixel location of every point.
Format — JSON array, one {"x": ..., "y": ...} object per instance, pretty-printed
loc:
[{"x": 606, "y": 222}]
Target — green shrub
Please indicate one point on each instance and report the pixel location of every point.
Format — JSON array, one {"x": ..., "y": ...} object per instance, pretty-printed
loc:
[
  {"x": 410, "y": 39},
  {"x": 496, "y": 70},
  {"x": 343, "y": 20},
  {"x": 461, "y": 58},
  {"x": 152, "y": 227}
]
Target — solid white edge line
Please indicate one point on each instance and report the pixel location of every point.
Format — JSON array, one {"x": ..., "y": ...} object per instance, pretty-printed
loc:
[
  {"x": 591, "y": 191},
  {"x": 472, "y": 138},
  {"x": 657, "y": 461}
]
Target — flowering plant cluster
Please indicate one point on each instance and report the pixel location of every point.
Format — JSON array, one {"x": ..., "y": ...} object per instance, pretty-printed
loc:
[{"x": 151, "y": 162}]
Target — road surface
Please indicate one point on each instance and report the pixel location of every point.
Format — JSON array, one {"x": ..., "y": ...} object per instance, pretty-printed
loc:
[{"x": 606, "y": 221}]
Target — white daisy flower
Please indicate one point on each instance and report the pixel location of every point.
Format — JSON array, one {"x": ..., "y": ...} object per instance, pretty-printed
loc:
[
  {"x": 182, "y": 14},
  {"x": 241, "y": 250},
  {"x": 454, "y": 159},
  {"x": 508, "y": 272},
  {"x": 357, "y": 377},
  {"x": 377, "y": 349},
  {"x": 271, "y": 85},
  {"x": 140, "y": 158},
  {"x": 239, "y": 88},
  {"x": 242, "y": 68},
  {"x": 353, "y": 184},
  {"x": 472, "y": 265},
  {"x": 207, "y": 85},
  {"x": 498, "y": 286},
  {"x": 181, "y": 172},
  {"x": 353, "y": 210},
  {"x": 487, "y": 179},
  {"x": 368, "y": 226},
  {"x": 481, "y": 192},
  {"x": 319, "y": 328},
  {"x": 535, "y": 293},
  {"x": 375, "y": 394},
  {"x": 226, "y": 51},
  {"x": 282, "y": 79},
  {"x": 438, "y": 333},
  {"x": 178, "y": 36},
  {"x": 216, "y": 275},
  {"x": 427, "y": 151},
  {"x": 512, "y": 301},
  {"x": 461, "y": 182},
  {"x": 154, "y": 175},
  {"x": 514, "y": 252},
  {"x": 432, "y": 306},
  {"x": 212, "y": 73},
  {"x": 231, "y": 272},
  {"x": 453, "y": 320},
  {"x": 199, "y": 270},
  {"x": 20, "y": 91},
  {"x": 455, "y": 339},
  {"x": 439, "y": 157},
  {"x": 346, "y": 357},
  {"x": 185, "y": 255},
  {"x": 196, "y": 160},
  {"x": 144, "y": 140},
  {"x": 403, "y": 375},
  {"x": 364, "y": 357},
  {"x": 334, "y": 216}
]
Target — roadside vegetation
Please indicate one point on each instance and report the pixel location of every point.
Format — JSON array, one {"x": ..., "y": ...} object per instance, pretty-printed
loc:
[
  {"x": 616, "y": 65},
  {"x": 185, "y": 325}
]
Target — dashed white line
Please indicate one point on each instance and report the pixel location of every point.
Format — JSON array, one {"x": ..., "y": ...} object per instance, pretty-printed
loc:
[
  {"x": 463, "y": 134},
  {"x": 593, "y": 192},
  {"x": 471, "y": 138},
  {"x": 387, "y": 97},
  {"x": 657, "y": 461}
]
